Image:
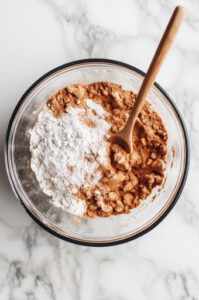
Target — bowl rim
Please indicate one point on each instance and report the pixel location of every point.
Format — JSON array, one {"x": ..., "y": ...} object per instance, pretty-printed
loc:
[{"x": 187, "y": 154}]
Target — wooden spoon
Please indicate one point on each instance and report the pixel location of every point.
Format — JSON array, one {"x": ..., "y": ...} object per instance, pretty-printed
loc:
[{"x": 124, "y": 137}]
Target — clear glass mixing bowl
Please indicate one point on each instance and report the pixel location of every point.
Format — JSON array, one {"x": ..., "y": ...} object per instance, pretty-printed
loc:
[{"x": 99, "y": 231}]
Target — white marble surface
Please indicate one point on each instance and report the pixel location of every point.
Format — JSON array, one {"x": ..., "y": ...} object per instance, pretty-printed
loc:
[{"x": 38, "y": 35}]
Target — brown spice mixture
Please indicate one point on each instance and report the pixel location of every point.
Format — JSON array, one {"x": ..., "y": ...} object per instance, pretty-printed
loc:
[{"x": 128, "y": 178}]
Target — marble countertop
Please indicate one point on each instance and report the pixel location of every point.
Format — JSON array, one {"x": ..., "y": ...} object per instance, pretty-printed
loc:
[{"x": 38, "y": 35}]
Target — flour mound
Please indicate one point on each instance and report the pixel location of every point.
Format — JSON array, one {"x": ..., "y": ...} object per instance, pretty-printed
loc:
[{"x": 66, "y": 153}]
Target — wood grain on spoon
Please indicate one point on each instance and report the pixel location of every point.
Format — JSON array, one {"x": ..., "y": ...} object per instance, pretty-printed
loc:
[{"x": 124, "y": 137}]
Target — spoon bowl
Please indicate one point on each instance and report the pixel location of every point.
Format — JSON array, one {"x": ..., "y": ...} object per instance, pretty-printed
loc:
[{"x": 126, "y": 144}]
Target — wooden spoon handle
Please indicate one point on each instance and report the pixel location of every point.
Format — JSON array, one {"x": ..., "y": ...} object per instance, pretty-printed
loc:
[{"x": 158, "y": 59}]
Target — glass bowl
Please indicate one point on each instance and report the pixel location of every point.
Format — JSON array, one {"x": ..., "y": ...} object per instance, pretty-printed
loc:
[{"x": 99, "y": 231}]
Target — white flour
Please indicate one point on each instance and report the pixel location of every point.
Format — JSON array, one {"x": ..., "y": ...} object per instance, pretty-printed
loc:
[{"x": 59, "y": 148}]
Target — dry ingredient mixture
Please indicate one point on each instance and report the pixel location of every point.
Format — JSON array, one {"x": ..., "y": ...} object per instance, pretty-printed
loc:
[{"x": 77, "y": 166}]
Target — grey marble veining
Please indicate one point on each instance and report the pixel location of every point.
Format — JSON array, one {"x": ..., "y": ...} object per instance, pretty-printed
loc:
[{"x": 38, "y": 35}]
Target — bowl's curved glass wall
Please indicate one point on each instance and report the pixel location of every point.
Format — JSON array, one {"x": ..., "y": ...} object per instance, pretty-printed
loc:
[{"x": 98, "y": 230}]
